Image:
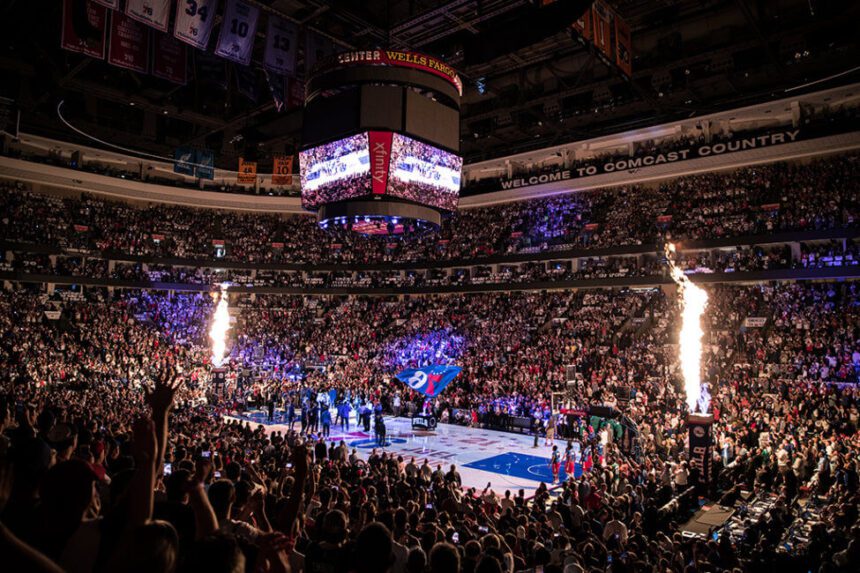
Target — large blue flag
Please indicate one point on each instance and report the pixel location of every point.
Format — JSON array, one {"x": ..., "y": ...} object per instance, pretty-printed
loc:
[{"x": 429, "y": 380}]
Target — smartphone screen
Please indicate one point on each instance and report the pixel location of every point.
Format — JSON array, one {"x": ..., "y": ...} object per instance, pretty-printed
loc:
[
  {"x": 206, "y": 454},
  {"x": 168, "y": 469}
]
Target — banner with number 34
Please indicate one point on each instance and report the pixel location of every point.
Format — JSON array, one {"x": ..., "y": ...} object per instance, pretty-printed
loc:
[{"x": 194, "y": 21}]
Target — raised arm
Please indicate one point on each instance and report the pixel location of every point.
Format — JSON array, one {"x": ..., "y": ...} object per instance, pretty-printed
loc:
[
  {"x": 141, "y": 490},
  {"x": 204, "y": 516},
  {"x": 160, "y": 400}
]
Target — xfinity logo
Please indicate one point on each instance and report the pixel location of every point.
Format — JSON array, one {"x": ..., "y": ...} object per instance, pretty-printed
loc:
[{"x": 379, "y": 153}]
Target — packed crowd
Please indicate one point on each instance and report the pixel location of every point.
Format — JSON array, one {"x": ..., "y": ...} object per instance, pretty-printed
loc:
[
  {"x": 810, "y": 255},
  {"x": 115, "y": 457},
  {"x": 817, "y": 195}
]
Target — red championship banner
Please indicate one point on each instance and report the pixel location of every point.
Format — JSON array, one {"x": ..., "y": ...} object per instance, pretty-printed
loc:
[
  {"x": 380, "y": 158},
  {"x": 153, "y": 13},
  {"x": 583, "y": 25},
  {"x": 277, "y": 245},
  {"x": 84, "y": 28},
  {"x": 247, "y": 171},
  {"x": 602, "y": 24},
  {"x": 81, "y": 228},
  {"x": 282, "y": 172},
  {"x": 129, "y": 44},
  {"x": 402, "y": 59},
  {"x": 169, "y": 60},
  {"x": 623, "y": 47}
]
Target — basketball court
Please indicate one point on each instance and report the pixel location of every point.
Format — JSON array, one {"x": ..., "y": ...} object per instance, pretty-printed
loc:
[{"x": 504, "y": 459}]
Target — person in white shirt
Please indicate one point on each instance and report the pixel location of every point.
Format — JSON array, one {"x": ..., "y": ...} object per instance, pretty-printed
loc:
[
  {"x": 506, "y": 502},
  {"x": 681, "y": 475}
]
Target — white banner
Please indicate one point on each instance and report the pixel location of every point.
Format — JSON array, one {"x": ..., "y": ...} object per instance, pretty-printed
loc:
[
  {"x": 53, "y": 314},
  {"x": 155, "y": 13},
  {"x": 194, "y": 20},
  {"x": 755, "y": 321},
  {"x": 282, "y": 44},
  {"x": 236, "y": 40}
]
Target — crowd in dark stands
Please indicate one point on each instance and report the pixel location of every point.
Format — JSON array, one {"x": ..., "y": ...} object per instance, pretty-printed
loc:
[
  {"x": 817, "y": 195},
  {"x": 116, "y": 455},
  {"x": 101, "y": 399}
]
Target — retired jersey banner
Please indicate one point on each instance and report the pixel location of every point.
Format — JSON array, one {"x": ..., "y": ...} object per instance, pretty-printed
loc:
[
  {"x": 84, "y": 28},
  {"x": 169, "y": 60},
  {"x": 236, "y": 40},
  {"x": 153, "y": 13},
  {"x": 194, "y": 20},
  {"x": 129, "y": 44},
  {"x": 282, "y": 43},
  {"x": 247, "y": 171},
  {"x": 601, "y": 17},
  {"x": 429, "y": 380},
  {"x": 282, "y": 172},
  {"x": 623, "y": 47},
  {"x": 112, "y": 4}
]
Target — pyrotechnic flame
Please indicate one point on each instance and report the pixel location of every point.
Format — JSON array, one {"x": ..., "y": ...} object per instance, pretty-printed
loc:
[
  {"x": 220, "y": 326},
  {"x": 694, "y": 299}
]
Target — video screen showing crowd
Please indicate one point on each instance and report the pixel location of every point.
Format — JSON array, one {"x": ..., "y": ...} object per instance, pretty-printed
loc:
[
  {"x": 417, "y": 172},
  {"x": 424, "y": 174},
  {"x": 335, "y": 171}
]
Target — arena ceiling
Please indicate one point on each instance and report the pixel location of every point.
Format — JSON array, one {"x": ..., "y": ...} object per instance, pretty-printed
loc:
[{"x": 529, "y": 81}]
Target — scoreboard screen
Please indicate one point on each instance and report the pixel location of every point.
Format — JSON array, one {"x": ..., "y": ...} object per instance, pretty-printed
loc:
[
  {"x": 424, "y": 174},
  {"x": 335, "y": 171},
  {"x": 412, "y": 171}
]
